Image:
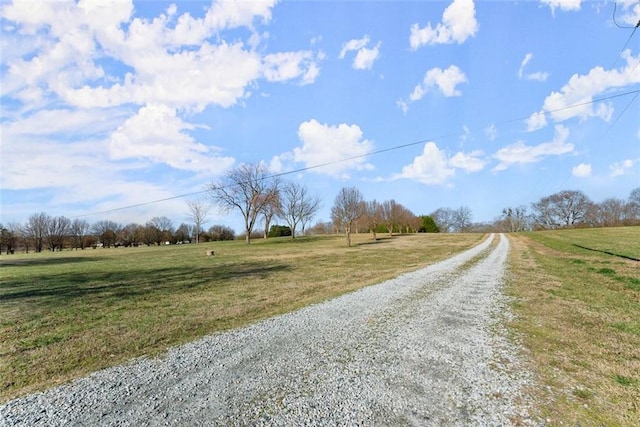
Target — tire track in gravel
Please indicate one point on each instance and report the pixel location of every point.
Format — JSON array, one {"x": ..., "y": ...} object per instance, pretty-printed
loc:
[{"x": 424, "y": 348}]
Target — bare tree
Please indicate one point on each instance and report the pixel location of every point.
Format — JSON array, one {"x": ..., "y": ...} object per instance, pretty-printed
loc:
[
  {"x": 36, "y": 229},
  {"x": 563, "y": 209},
  {"x": 462, "y": 218},
  {"x": 443, "y": 217},
  {"x": 162, "y": 227},
  {"x": 297, "y": 206},
  {"x": 198, "y": 213},
  {"x": 79, "y": 229},
  {"x": 373, "y": 216},
  {"x": 347, "y": 208},
  {"x": 515, "y": 219},
  {"x": 614, "y": 212},
  {"x": 184, "y": 232},
  {"x": 248, "y": 188},
  {"x": 408, "y": 222},
  {"x": 634, "y": 202},
  {"x": 131, "y": 234},
  {"x": 390, "y": 215},
  {"x": 270, "y": 210},
  {"x": 56, "y": 231},
  {"x": 106, "y": 231}
]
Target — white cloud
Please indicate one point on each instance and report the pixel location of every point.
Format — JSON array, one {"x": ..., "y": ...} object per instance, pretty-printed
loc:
[
  {"x": 430, "y": 168},
  {"x": 564, "y": 5},
  {"x": 354, "y": 45},
  {"x": 468, "y": 162},
  {"x": 157, "y": 134},
  {"x": 583, "y": 170},
  {"x": 339, "y": 148},
  {"x": 61, "y": 145},
  {"x": 537, "y": 76},
  {"x": 519, "y": 152},
  {"x": 575, "y": 99},
  {"x": 492, "y": 132},
  {"x": 365, "y": 56},
  {"x": 621, "y": 168},
  {"x": 279, "y": 67},
  {"x": 433, "y": 167},
  {"x": 160, "y": 54},
  {"x": 445, "y": 80},
  {"x": 403, "y": 105},
  {"x": 536, "y": 121},
  {"x": 63, "y": 122},
  {"x": 458, "y": 24},
  {"x": 628, "y": 12}
]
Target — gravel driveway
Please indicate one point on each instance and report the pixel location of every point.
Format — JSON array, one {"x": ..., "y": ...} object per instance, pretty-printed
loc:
[{"x": 426, "y": 348}]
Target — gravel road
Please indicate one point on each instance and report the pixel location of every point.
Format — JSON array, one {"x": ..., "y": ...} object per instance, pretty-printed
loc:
[{"x": 425, "y": 348}]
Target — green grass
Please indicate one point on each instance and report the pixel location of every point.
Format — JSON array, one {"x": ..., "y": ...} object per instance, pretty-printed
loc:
[
  {"x": 578, "y": 307},
  {"x": 65, "y": 314}
]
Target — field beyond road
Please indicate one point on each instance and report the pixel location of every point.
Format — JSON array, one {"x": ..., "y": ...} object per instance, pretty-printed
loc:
[{"x": 66, "y": 314}]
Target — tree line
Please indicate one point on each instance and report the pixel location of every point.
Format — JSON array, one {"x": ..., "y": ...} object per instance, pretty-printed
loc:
[
  {"x": 54, "y": 233},
  {"x": 262, "y": 198}
]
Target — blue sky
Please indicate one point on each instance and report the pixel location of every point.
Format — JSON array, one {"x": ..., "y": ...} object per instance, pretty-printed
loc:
[{"x": 109, "y": 104}]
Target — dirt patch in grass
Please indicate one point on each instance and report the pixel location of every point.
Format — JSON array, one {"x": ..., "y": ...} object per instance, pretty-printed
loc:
[{"x": 577, "y": 313}]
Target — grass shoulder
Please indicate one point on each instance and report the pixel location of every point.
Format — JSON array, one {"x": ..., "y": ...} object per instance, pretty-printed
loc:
[{"x": 577, "y": 312}]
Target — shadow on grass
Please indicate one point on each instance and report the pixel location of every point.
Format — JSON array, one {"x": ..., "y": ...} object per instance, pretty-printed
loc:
[
  {"x": 33, "y": 262},
  {"x": 378, "y": 241},
  {"x": 63, "y": 288},
  {"x": 606, "y": 252}
]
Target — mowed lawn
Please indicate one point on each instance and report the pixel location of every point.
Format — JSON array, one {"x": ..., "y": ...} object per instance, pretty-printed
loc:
[
  {"x": 65, "y": 314},
  {"x": 578, "y": 306}
]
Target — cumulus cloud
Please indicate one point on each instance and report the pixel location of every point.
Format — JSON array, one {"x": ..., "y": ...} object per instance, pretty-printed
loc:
[
  {"x": 365, "y": 56},
  {"x": 575, "y": 99},
  {"x": 458, "y": 24},
  {"x": 157, "y": 133},
  {"x": 621, "y": 168},
  {"x": 536, "y": 121},
  {"x": 537, "y": 76},
  {"x": 70, "y": 45},
  {"x": 582, "y": 170},
  {"x": 446, "y": 81},
  {"x": 99, "y": 91},
  {"x": 470, "y": 162},
  {"x": 564, "y": 5},
  {"x": 520, "y": 153},
  {"x": 285, "y": 66},
  {"x": 433, "y": 167},
  {"x": 338, "y": 148}
]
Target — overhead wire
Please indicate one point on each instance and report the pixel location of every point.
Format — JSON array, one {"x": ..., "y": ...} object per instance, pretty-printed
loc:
[
  {"x": 613, "y": 123},
  {"x": 615, "y": 7},
  {"x": 373, "y": 153}
]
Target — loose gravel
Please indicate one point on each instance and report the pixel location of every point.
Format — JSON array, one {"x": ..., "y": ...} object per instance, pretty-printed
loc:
[{"x": 425, "y": 348}]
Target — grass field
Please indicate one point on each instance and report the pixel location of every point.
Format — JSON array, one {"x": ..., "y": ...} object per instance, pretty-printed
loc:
[
  {"x": 65, "y": 314},
  {"x": 576, "y": 299},
  {"x": 578, "y": 305}
]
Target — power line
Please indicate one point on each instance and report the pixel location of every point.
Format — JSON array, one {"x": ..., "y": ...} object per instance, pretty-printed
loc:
[
  {"x": 612, "y": 124},
  {"x": 373, "y": 153},
  {"x": 615, "y": 7}
]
